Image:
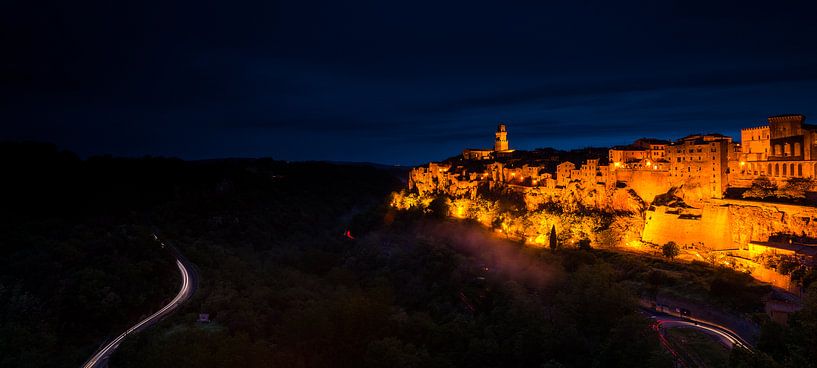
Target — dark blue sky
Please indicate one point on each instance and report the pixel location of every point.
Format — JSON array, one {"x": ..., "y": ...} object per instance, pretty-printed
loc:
[{"x": 395, "y": 82}]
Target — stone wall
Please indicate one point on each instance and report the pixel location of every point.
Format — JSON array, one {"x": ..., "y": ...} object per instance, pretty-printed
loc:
[
  {"x": 725, "y": 224},
  {"x": 708, "y": 227},
  {"x": 757, "y": 221},
  {"x": 767, "y": 275},
  {"x": 646, "y": 183}
]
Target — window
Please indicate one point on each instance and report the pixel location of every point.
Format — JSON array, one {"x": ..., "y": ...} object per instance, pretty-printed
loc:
[
  {"x": 799, "y": 169},
  {"x": 796, "y": 149}
]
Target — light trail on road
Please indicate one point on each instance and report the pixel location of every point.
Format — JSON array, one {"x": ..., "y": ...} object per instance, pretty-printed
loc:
[
  {"x": 106, "y": 351},
  {"x": 732, "y": 341}
]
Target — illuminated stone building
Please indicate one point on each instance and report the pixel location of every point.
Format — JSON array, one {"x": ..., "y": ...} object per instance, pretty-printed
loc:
[
  {"x": 641, "y": 151},
  {"x": 701, "y": 161},
  {"x": 501, "y": 141},
  {"x": 477, "y": 154},
  {"x": 755, "y": 144},
  {"x": 785, "y": 148},
  {"x": 500, "y": 147},
  {"x": 564, "y": 172},
  {"x": 592, "y": 173},
  {"x": 624, "y": 155}
]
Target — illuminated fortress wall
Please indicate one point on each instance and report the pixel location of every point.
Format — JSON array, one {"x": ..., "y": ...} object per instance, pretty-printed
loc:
[
  {"x": 709, "y": 227},
  {"x": 728, "y": 224}
]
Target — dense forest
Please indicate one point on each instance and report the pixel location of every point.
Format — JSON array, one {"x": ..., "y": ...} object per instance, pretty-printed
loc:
[{"x": 305, "y": 265}]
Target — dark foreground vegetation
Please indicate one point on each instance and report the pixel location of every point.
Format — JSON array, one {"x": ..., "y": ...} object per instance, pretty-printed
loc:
[{"x": 285, "y": 286}]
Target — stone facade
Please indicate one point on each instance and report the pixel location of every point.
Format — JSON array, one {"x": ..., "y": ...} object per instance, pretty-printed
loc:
[
  {"x": 642, "y": 150},
  {"x": 501, "y": 139},
  {"x": 785, "y": 148},
  {"x": 700, "y": 162}
]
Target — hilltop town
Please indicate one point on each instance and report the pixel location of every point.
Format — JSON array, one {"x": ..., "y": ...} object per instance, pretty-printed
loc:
[
  {"x": 706, "y": 166},
  {"x": 704, "y": 192}
]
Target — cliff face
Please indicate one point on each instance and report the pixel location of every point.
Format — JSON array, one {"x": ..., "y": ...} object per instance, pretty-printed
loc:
[
  {"x": 758, "y": 221},
  {"x": 647, "y": 184},
  {"x": 727, "y": 224},
  {"x": 436, "y": 178},
  {"x": 706, "y": 227},
  {"x": 574, "y": 196},
  {"x": 606, "y": 214}
]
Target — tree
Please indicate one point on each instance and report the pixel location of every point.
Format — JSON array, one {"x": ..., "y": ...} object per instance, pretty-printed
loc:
[
  {"x": 584, "y": 244},
  {"x": 761, "y": 188},
  {"x": 632, "y": 343},
  {"x": 803, "y": 332},
  {"x": 553, "y": 240},
  {"x": 670, "y": 250},
  {"x": 743, "y": 358},
  {"x": 439, "y": 207},
  {"x": 795, "y": 188}
]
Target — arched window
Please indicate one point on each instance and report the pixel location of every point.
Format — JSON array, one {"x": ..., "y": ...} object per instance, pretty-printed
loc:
[
  {"x": 791, "y": 169},
  {"x": 776, "y": 169},
  {"x": 769, "y": 169},
  {"x": 799, "y": 169},
  {"x": 785, "y": 172},
  {"x": 796, "y": 149}
]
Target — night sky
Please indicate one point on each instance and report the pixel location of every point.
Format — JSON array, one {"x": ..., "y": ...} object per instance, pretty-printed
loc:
[{"x": 395, "y": 82}]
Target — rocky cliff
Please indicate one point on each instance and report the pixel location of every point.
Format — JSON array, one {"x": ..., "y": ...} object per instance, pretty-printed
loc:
[{"x": 606, "y": 214}]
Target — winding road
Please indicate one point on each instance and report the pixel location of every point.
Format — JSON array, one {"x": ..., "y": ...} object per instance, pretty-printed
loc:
[
  {"x": 727, "y": 337},
  {"x": 664, "y": 321},
  {"x": 188, "y": 287}
]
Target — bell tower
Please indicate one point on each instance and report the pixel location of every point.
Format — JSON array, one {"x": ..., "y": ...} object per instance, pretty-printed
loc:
[{"x": 501, "y": 142}]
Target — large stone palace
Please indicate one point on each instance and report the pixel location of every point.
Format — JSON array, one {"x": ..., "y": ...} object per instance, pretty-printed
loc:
[{"x": 703, "y": 165}]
